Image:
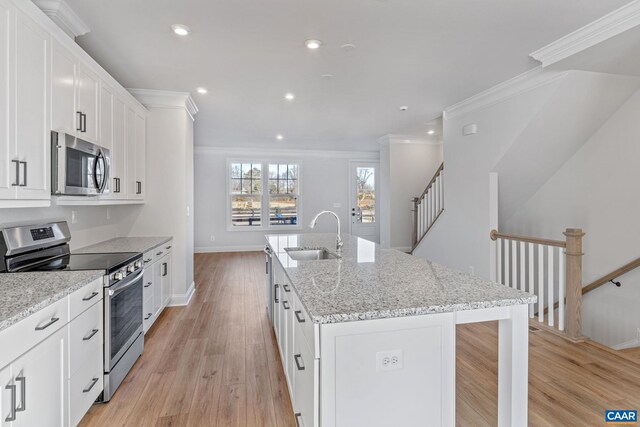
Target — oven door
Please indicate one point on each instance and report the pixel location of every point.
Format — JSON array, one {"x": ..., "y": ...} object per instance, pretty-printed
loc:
[
  {"x": 79, "y": 167},
  {"x": 122, "y": 317}
]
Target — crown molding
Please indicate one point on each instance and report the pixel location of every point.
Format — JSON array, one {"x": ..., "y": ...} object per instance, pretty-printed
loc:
[
  {"x": 610, "y": 25},
  {"x": 284, "y": 152},
  {"x": 62, "y": 14},
  {"x": 151, "y": 98},
  {"x": 522, "y": 83}
]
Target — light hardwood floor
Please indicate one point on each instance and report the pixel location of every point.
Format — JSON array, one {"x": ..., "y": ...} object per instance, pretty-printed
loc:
[{"x": 215, "y": 363}]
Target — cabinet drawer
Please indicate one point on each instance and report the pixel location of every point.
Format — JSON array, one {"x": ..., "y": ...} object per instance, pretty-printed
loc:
[
  {"x": 86, "y": 335},
  {"x": 308, "y": 329},
  {"x": 147, "y": 284},
  {"x": 166, "y": 247},
  {"x": 84, "y": 387},
  {"x": 85, "y": 297},
  {"x": 306, "y": 384},
  {"x": 19, "y": 338},
  {"x": 148, "y": 258},
  {"x": 147, "y": 313}
]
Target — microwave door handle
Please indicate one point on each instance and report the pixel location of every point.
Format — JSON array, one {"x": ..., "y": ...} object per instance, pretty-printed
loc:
[{"x": 99, "y": 185}]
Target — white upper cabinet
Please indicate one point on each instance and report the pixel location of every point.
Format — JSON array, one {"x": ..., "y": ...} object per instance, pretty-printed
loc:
[
  {"x": 118, "y": 150},
  {"x": 63, "y": 89},
  {"x": 31, "y": 106},
  {"x": 7, "y": 145},
  {"x": 88, "y": 90},
  {"x": 141, "y": 164},
  {"x": 136, "y": 155},
  {"x": 106, "y": 117}
]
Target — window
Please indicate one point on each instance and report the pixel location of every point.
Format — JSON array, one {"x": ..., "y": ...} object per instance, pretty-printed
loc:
[
  {"x": 246, "y": 183},
  {"x": 283, "y": 194},
  {"x": 246, "y": 195},
  {"x": 366, "y": 193}
]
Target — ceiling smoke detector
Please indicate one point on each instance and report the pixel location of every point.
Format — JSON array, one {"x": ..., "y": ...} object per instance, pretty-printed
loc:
[{"x": 404, "y": 108}]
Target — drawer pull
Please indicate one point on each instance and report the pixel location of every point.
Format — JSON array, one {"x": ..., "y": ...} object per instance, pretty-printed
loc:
[
  {"x": 168, "y": 247},
  {"x": 88, "y": 388},
  {"x": 148, "y": 316},
  {"x": 92, "y": 296},
  {"x": 285, "y": 304},
  {"x": 286, "y": 288},
  {"x": 49, "y": 323},
  {"x": 23, "y": 393},
  {"x": 299, "y": 317},
  {"x": 12, "y": 407},
  {"x": 148, "y": 284},
  {"x": 276, "y": 299},
  {"x": 298, "y": 359},
  {"x": 147, "y": 260},
  {"x": 159, "y": 253},
  {"x": 298, "y": 416},
  {"x": 93, "y": 332}
]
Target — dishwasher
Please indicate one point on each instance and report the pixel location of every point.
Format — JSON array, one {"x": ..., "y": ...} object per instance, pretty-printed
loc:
[{"x": 269, "y": 281}]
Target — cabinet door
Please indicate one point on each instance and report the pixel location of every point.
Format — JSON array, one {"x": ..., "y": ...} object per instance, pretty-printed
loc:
[
  {"x": 88, "y": 93},
  {"x": 63, "y": 84},
  {"x": 106, "y": 117},
  {"x": 8, "y": 168},
  {"x": 147, "y": 283},
  {"x": 41, "y": 379},
  {"x": 32, "y": 100},
  {"x": 118, "y": 151},
  {"x": 157, "y": 282},
  {"x": 5, "y": 396},
  {"x": 166, "y": 280},
  {"x": 306, "y": 379},
  {"x": 141, "y": 164},
  {"x": 132, "y": 179}
]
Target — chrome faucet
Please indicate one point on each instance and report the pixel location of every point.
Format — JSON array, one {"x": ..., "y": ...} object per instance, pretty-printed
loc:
[{"x": 313, "y": 224}]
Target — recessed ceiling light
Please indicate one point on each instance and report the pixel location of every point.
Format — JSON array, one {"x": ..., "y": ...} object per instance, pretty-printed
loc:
[
  {"x": 279, "y": 137},
  {"x": 404, "y": 108},
  {"x": 202, "y": 90},
  {"x": 313, "y": 44},
  {"x": 348, "y": 47},
  {"x": 431, "y": 132},
  {"x": 181, "y": 30},
  {"x": 289, "y": 96}
]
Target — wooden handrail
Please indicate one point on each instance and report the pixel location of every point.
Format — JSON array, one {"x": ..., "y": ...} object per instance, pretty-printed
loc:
[
  {"x": 615, "y": 273},
  {"x": 548, "y": 242},
  {"x": 435, "y": 175}
]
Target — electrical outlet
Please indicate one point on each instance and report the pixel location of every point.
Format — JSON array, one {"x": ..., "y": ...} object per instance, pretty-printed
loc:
[
  {"x": 74, "y": 218},
  {"x": 212, "y": 238},
  {"x": 389, "y": 360}
]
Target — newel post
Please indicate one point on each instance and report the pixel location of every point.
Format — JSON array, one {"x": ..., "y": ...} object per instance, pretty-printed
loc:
[
  {"x": 574, "y": 281},
  {"x": 414, "y": 236}
]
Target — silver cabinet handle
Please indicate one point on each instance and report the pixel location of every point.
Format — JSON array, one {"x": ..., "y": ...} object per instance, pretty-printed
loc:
[
  {"x": 49, "y": 323},
  {"x": 159, "y": 253},
  {"x": 299, "y": 317},
  {"x": 148, "y": 284},
  {"x": 298, "y": 416},
  {"x": 298, "y": 359},
  {"x": 168, "y": 247},
  {"x": 12, "y": 407},
  {"x": 148, "y": 316},
  {"x": 88, "y": 388},
  {"x": 286, "y": 288},
  {"x": 147, "y": 260},
  {"x": 23, "y": 393},
  {"x": 93, "y": 332},
  {"x": 84, "y": 122},
  {"x": 90, "y": 297},
  {"x": 285, "y": 304},
  {"x": 17, "y": 183},
  {"x": 25, "y": 174},
  {"x": 276, "y": 299},
  {"x": 166, "y": 269}
]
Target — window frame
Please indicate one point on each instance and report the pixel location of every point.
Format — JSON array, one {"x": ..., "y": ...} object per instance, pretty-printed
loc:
[{"x": 265, "y": 197}]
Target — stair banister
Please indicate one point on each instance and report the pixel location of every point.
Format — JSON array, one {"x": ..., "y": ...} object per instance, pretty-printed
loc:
[{"x": 428, "y": 207}]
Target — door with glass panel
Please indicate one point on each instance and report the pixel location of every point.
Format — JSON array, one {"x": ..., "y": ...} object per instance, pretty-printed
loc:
[{"x": 364, "y": 201}]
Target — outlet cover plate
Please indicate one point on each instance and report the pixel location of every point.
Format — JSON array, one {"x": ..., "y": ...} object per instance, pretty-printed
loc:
[{"x": 390, "y": 360}]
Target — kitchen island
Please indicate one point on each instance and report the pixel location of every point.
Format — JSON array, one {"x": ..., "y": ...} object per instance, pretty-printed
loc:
[{"x": 367, "y": 336}]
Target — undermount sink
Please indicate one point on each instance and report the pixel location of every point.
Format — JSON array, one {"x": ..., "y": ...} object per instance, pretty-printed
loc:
[{"x": 310, "y": 254}]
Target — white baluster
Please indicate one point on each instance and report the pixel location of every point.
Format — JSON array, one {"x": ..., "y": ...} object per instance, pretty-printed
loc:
[
  {"x": 507, "y": 264},
  {"x": 514, "y": 264},
  {"x": 561, "y": 289},
  {"x": 531, "y": 284},
  {"x": 541, "y": 283},
  {"x": 523, "y": 263},
  {"x": 550, "y": 283},
  {"x": 499, "y": 276}
]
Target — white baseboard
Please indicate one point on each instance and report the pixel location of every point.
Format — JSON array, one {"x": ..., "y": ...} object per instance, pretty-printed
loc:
[
  {"x": 214, "y": 249},
  {"x": 628, "y": 344},
  {"x": 406, "y": 249},
  {"x": 183, "y": 299}
]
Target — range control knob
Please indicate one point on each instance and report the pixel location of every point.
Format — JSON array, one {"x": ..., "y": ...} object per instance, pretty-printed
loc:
[
  {"x": 118, "y": 276},
  {"x": 131, "y": 268},
  {"x": 138, "y": 264}
]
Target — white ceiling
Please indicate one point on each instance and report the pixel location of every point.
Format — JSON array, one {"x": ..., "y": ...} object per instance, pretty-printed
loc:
[{"x": 426, "y": 54}]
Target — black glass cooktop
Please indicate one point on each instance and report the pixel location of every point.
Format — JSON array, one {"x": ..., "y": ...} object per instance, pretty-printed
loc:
[{"x": 109, "y": 262}]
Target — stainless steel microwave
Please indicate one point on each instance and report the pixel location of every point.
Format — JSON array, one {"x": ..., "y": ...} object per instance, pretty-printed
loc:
[{"x": 78, "y": 167}]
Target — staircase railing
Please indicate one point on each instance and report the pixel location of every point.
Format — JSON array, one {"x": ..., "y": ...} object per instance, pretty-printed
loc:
[
  {"x": 428, "y": 207},
  {"x": 550, "y": 269}
]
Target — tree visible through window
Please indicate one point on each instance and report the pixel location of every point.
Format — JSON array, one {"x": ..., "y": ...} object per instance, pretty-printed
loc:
[
  {"x": 283, "y": 194},
  {"x": 246, "y": 194},
  {"x": 366, "y": 193}
]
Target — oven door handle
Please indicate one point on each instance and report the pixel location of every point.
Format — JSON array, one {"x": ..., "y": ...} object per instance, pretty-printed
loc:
[{"x": 121, "y": 287}]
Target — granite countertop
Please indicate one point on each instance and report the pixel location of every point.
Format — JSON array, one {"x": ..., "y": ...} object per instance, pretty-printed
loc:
[
  {"x": 22, "y": 294},
  {"x": 370, "y": 282},
  {"x": 124, "y": 244}
]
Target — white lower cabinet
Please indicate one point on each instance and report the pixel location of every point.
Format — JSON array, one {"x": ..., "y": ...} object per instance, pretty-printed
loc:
[
  {"x": 52, "y": 371},
  {"x": 157, "y": 282}
]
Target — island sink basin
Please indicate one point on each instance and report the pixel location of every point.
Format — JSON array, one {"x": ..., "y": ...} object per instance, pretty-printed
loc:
[{"x": 310, "y": 254}]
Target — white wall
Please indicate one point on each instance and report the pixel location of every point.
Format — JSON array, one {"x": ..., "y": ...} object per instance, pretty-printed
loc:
[
  {"x": 324, "y": 181},
  {"x": 597, "y": 190}
]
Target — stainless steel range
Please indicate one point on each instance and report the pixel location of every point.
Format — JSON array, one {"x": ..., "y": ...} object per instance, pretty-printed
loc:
[{"x": 45, "y": 247}]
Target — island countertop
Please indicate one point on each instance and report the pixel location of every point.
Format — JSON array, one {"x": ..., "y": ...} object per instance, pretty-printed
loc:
[{"x": 370, "y": 282}]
